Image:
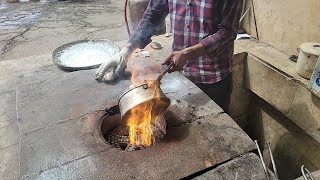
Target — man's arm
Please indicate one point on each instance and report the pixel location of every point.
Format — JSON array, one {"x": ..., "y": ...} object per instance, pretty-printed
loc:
[
  {"x": 228, "y": 28},
  {"x": 155, "y": 14}
]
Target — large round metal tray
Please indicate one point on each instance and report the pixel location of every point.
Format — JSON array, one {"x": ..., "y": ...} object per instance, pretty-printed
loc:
[{"x": 84, "y": 54}]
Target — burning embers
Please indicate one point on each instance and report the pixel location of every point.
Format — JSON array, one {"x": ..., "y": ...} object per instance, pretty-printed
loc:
[
  {"x": 116, "y": 132},
  {"x": 141, "y": 109},
  {"x": 144, "y": 118},
  {"x": 141, "y": 124}
]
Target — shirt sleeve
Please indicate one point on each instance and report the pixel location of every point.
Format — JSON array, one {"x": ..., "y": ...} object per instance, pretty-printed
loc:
[
  {"x": 155, "y": 13},
  {"x": 227, "y": 28}
]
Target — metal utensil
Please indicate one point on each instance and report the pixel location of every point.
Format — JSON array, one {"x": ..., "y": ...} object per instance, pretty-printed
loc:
[
  {"x": 92, "y": 54},
  {"x": 164, "y": 72},
  {"x": 149, "y": 92},
  {"x": 308, "y": 175},
  {"x": 262, "y": 161},
  {"x": 272, "y": 161}
]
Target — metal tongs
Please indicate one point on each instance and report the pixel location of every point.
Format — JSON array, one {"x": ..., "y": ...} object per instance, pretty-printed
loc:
[
  {"x": 164, "y": 72},
  {"x": 272, "y": 161}
]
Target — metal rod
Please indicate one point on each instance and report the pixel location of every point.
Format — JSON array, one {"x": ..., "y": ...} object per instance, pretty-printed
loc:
[
  {"x": 164, "y": 72},
  {"x": 262, "y": 161},
  {"x": 304, "y": 174},
  {"x": 272, "y": 161},
  {"x": 244, "y": 14},
  {"x": 254, "y": 17},
  {"x": 126, "y": 17}
]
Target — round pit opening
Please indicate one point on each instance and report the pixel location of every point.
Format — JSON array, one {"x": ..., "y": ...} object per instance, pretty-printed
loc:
[{"x": 116, "y": 132}]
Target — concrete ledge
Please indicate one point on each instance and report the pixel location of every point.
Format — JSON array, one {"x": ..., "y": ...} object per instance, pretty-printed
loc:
[
  {"x": 247, "y": 166},
  {"x": 272, "y": 76}
]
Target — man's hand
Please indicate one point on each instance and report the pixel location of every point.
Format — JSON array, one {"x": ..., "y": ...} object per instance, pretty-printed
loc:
[
  {"x": 179, "y": 58},
  {"x": 113, "y": 67}
]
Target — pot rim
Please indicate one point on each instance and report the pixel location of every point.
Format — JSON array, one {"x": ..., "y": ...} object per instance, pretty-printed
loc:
[{"x": 130, "y": 89}]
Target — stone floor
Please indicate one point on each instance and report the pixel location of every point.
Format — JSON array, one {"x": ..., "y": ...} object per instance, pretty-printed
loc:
[
  {"x": 45, "y": 132},
  {"x": 33, "y": 28}
]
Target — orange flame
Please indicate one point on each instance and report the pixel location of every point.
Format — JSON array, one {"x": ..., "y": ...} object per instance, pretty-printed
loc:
[
  {"x": 141, "y": 120},
  {"x": 140, "y": 125}
]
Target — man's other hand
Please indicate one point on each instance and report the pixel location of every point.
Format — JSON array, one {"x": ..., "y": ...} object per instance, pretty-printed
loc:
[{"x": 113, "y": 67}]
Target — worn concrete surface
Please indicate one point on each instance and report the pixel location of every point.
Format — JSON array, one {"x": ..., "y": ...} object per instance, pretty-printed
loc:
[
  {"x": 284, "y": 24},
  {"x": 52, "y": 143},
  {"x": 33, "y": 28},
  {"x": 271, "y": 76},
  {"x": 291, "y": 146},
  {"x": 240, "y": 96},
  {"x": 198, "y": 145},
  {"x": 53, "y": 133},
  {"x": 292, "y": 114},
  {"x": 247, "y": 166},
  {"x": 39, "y": 100},
  {"x": 315, "y": 174},
  {"x": 275, "y": 87}
]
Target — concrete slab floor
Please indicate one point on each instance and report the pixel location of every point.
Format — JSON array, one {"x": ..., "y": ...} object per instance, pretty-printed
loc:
[
  {"x": 34, "y": 28},
  {"x": 43, "y": 122},
  {"x": 54, "y": 140},
  {"x": 50, "y": 108},
  {"x": 247, "y": 166}
]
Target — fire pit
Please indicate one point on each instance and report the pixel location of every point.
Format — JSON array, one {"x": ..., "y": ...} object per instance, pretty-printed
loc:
[{"x": 116, "y": 132}]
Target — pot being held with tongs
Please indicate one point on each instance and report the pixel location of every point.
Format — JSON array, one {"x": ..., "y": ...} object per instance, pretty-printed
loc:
[{"x": 141, "y": 94}]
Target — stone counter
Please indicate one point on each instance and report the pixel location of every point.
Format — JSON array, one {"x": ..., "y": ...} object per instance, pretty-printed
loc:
[
  {"x": 272, "y": 76},
  {"x": 48, "y": 114},
  {"x": 282, "y": 109}
]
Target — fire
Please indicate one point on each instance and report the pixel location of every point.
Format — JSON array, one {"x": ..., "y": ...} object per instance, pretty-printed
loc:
[
  {"x": 142, "y": 121},
  {"x": 142, "y": 118},
  {"x": 140, "y": 125}
]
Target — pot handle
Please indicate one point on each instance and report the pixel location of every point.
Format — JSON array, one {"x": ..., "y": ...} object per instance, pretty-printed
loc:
[{"x": 164, "y": 72}]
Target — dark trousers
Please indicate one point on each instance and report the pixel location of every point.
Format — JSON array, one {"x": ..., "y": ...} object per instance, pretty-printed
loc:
[{"x": 219, "y": 92}]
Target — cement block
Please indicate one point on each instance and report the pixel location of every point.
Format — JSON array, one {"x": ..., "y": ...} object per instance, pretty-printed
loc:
[
  {"x": 7, "y": 83},
  {"x": 245, "y": 45},
  {"x": 247, "y": 166},
  {"x": 278, "y": 60},
  {"x": 9, "y": 135},
  {"x": 15, "y": 66},
  {"x": 291, "y": 146},
  {"x": 70, "y": 94},
  {"x": 9, "y": 131},
  {"x": 305, "y": 112},
  {"x": 269, "y": 84},
  {"x": 9, "y": 162},
  {"x": 240, "y": 96},
  {"x": 55, "y": 145},
  {"x": 185, "y": 150},
  {"x": 43, "y": 112},
  {"x": 190, "y": 107}
]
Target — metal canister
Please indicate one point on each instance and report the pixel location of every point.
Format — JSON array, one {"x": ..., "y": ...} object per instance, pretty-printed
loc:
[{"x": 308, "y": 56}]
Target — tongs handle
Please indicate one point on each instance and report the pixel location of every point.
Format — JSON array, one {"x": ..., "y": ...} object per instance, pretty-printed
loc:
[{"x": 164, "y": 72}]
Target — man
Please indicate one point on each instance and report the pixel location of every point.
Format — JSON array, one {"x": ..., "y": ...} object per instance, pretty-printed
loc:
[{"x": 203, "y": 42}]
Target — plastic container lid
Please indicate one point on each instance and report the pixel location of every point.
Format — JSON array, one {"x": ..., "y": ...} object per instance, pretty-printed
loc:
[{"x": 311, "y": 48}]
